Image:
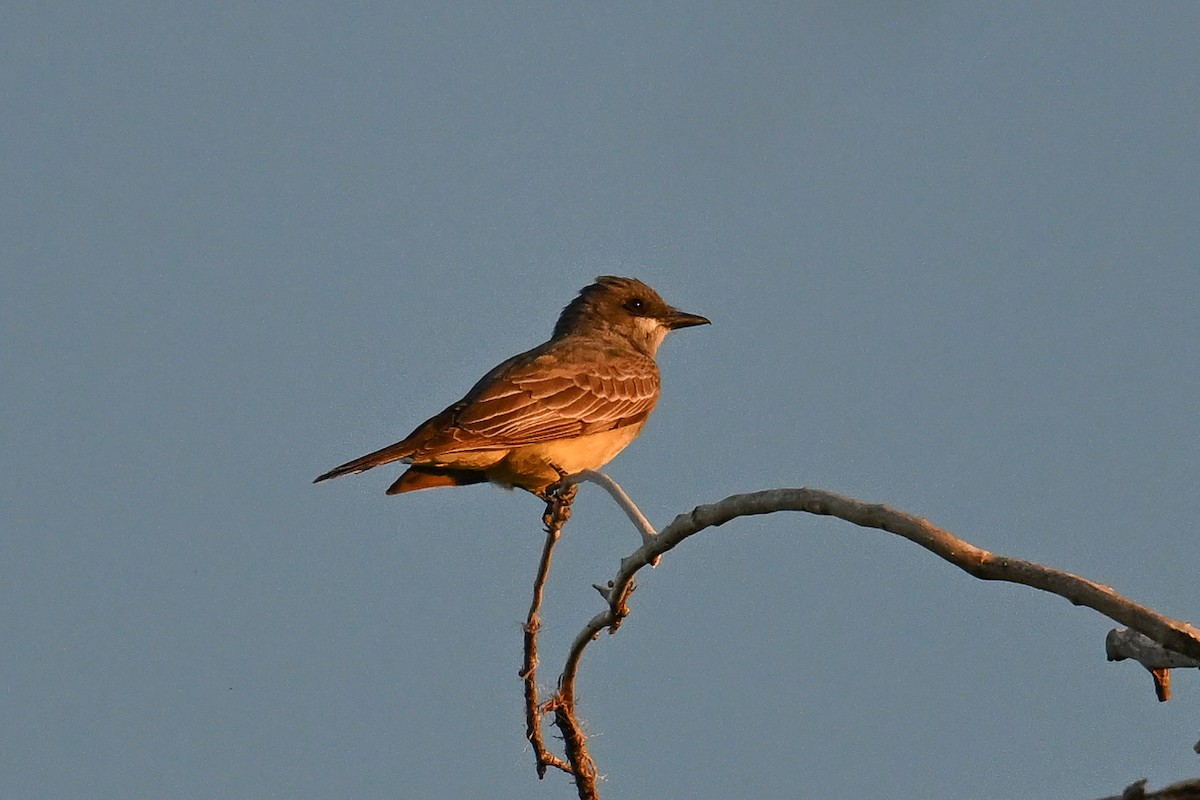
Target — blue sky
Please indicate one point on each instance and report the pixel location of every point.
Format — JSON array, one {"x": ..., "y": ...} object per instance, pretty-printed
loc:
[{"x": 949, "y": 254}]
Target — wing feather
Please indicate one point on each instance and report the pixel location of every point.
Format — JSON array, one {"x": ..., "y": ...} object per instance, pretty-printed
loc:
[{"x": 549, "y": 394}]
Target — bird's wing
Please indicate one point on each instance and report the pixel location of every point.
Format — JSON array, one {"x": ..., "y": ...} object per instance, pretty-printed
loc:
[{"x": 550, "y": 395}]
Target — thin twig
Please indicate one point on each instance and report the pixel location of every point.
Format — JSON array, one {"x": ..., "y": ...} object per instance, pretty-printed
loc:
[
  {"x": 618, "y": 494},
  {"x": 575, "y": 746},
  {"x": 558, "y": 511}
]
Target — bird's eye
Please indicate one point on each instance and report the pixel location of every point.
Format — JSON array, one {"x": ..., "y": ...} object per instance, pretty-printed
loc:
[{"x": 636, "y": 305}]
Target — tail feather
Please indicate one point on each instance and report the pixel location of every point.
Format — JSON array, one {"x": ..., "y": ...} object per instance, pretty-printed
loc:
[
  {"x": 415, "y": 478},
  {"x": 387, "y": 455}
]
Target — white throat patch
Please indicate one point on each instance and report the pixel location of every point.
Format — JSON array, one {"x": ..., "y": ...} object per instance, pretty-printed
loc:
[{"x": 654, "y": 331}]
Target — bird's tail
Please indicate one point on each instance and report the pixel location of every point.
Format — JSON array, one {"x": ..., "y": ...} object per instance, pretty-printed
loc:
[
  {"x": 427, "y": 477},
  {"x": 387, "y": 455}
]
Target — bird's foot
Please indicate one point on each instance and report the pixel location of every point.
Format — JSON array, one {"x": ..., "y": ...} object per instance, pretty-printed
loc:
[{"x": 558, "y": 497}]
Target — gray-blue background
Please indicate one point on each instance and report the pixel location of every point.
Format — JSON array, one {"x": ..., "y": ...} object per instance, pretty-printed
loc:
[{"x": 950, "y": 255}]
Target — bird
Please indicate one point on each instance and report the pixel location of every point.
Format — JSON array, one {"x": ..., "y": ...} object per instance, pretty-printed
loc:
[{"x": 567, "y": 405}]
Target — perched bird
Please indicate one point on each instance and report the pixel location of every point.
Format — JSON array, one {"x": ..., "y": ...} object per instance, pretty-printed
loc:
[{"x": 567, "y": 405}]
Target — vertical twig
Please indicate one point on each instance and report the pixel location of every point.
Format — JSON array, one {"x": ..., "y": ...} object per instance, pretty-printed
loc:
[
  {"x": 574, "y": 742},
  {"x": 558, "y": 511}
]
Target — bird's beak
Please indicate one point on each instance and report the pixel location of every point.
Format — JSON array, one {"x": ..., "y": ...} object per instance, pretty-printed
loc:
[{"x": 681, "y": 319}]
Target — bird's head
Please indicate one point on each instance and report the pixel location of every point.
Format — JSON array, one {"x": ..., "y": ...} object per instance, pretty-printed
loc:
[{"x": 626, "y": 307}]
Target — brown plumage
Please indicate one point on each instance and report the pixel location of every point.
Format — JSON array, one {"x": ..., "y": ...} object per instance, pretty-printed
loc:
[{"x": 569, "y": 404}]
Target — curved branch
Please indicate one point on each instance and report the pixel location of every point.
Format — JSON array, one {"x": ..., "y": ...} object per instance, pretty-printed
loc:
[
  {"x": 618, "y": 495},
  {"x": 1172, "y": 634}
]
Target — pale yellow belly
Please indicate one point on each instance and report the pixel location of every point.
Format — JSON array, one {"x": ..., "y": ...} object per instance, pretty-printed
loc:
[
  {"x": 532, "y": 466},
  {"x": 573, "y": 455}
]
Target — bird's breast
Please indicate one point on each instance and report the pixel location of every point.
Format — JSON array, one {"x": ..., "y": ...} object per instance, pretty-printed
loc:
[
  {"x": 572, "y": 455},
  {"x": 532, "y": 465}
]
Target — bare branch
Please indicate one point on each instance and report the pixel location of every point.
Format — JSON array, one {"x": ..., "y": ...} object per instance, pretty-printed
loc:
[
  {"x": 558, "y": 511},
  {"x": 1179, "y": 642},
  {"x": 1171, "y": 634},
  {"x": 618, "y": 494}
]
